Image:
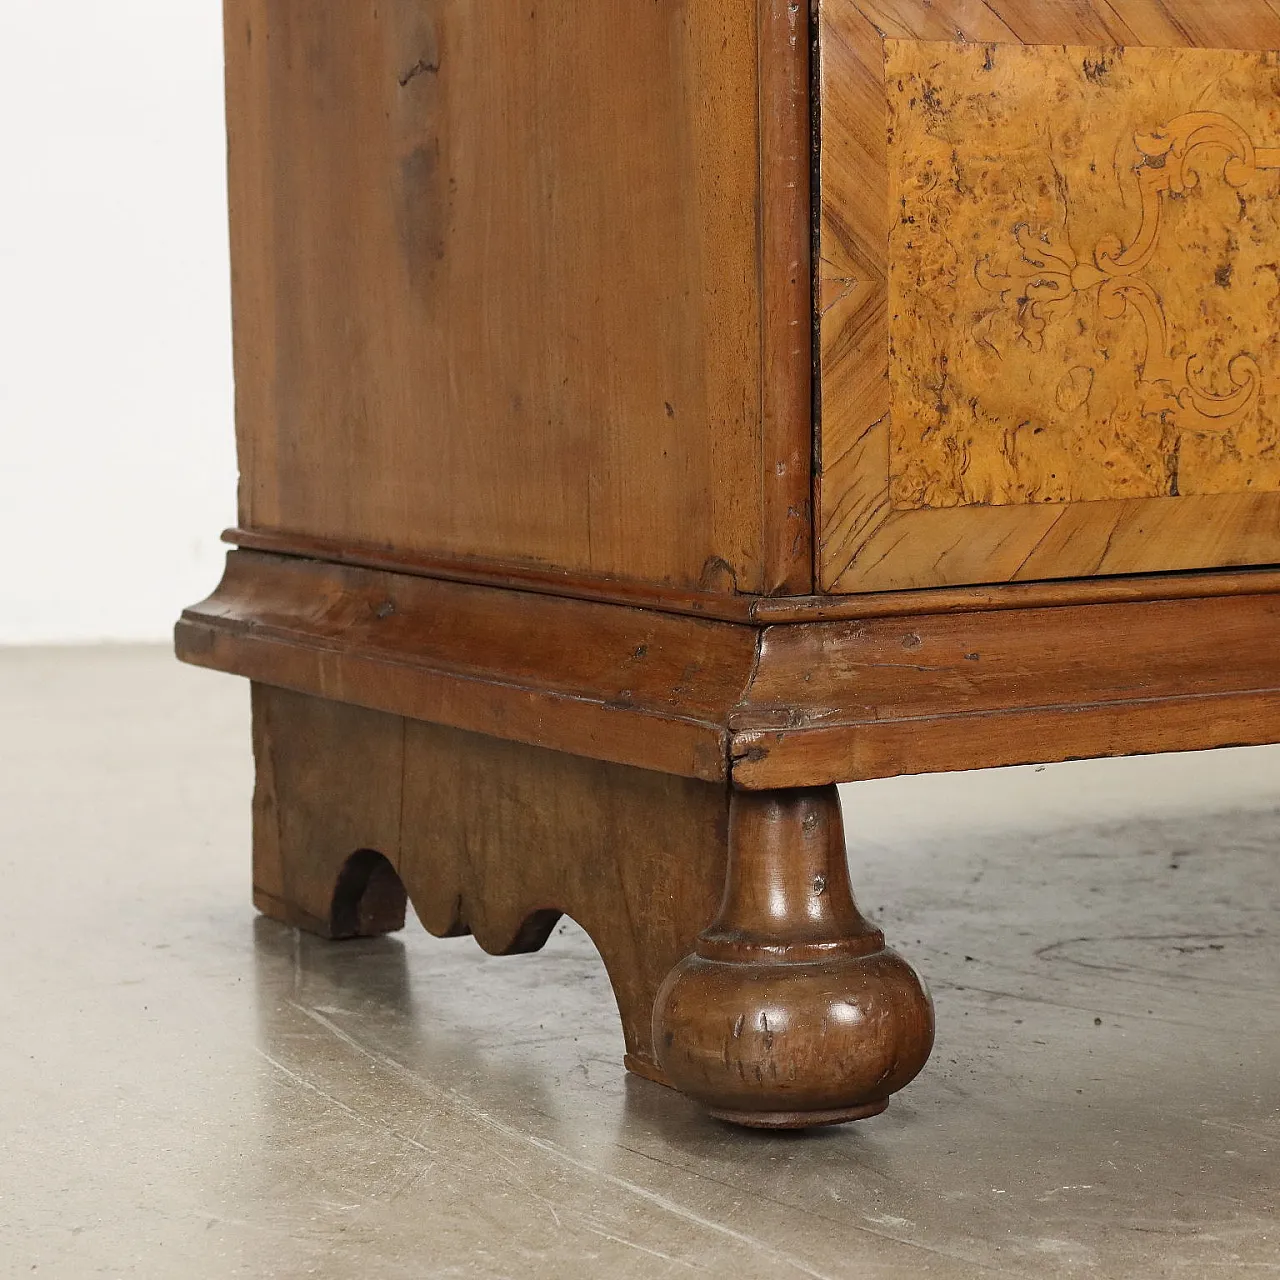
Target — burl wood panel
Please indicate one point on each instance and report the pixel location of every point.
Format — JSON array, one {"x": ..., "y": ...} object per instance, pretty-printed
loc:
[
  {"x": 1122, "y": 338},
  {"x": 507, "y": 277},
  {"x": 1048, "y": 291}
]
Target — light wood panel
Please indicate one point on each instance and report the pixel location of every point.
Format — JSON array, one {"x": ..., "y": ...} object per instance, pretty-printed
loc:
[
  {"x": 508, "y": 280},
  {"x": 1048, "y": 296}
]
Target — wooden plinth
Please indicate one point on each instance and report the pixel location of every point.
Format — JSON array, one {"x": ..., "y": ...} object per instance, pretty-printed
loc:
[{"x": 788, "y": 704}]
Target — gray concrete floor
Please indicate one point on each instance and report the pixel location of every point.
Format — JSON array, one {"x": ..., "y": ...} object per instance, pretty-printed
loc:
[{"x": 188, "y": 1091}]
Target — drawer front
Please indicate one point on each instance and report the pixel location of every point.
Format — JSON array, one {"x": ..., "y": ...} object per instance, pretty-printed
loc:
[{"x": 1049, "y": 289}]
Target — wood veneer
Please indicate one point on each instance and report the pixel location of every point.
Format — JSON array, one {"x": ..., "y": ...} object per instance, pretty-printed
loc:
[{"x": 1047, "y": 292}]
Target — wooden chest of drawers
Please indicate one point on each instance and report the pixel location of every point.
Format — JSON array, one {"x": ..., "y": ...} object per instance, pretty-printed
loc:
[{"x": 652, "y": 414}]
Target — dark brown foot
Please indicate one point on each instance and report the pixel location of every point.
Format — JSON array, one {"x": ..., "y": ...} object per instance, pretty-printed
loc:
[
  {"x": 325, "y": 815},
  {"x": 791, "y": 1012},
  {"x": 355, "y": 808}
]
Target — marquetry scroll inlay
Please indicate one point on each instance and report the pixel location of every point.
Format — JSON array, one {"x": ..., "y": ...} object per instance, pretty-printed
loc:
[
  {"x": 1084, "y": 273},
  {"x": 1049, "y": 273}
]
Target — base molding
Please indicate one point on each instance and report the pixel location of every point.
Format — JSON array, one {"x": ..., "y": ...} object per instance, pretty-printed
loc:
[{"x": 764, "y": 706}]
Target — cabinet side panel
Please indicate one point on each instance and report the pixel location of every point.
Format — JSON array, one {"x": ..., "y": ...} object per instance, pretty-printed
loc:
[{"x": 497, "y": 280}]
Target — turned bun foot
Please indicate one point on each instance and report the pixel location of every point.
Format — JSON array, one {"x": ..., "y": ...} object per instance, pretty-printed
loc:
[{"x": 791, "y": 1012}]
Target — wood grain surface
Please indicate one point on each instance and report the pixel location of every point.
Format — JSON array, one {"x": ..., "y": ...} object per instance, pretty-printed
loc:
[
  {"x": 766, "y": 706},
  {"x": 354, "y": 807},
  {"x": 357, "y": 812},
  {"x": 1047, "y": 291},
  {"x": 629, "y": 685},
  {"x": 791, "y": 1011},
  {"x": 526, "y": 282},
  {"x": 842, "y": 701}
]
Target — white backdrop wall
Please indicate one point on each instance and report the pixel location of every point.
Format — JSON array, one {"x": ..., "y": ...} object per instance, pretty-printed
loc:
[{"x": 117, "y": 465}]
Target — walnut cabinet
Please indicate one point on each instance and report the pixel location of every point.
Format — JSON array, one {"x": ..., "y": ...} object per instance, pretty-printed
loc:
[{"x": 652, "y": 414}]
